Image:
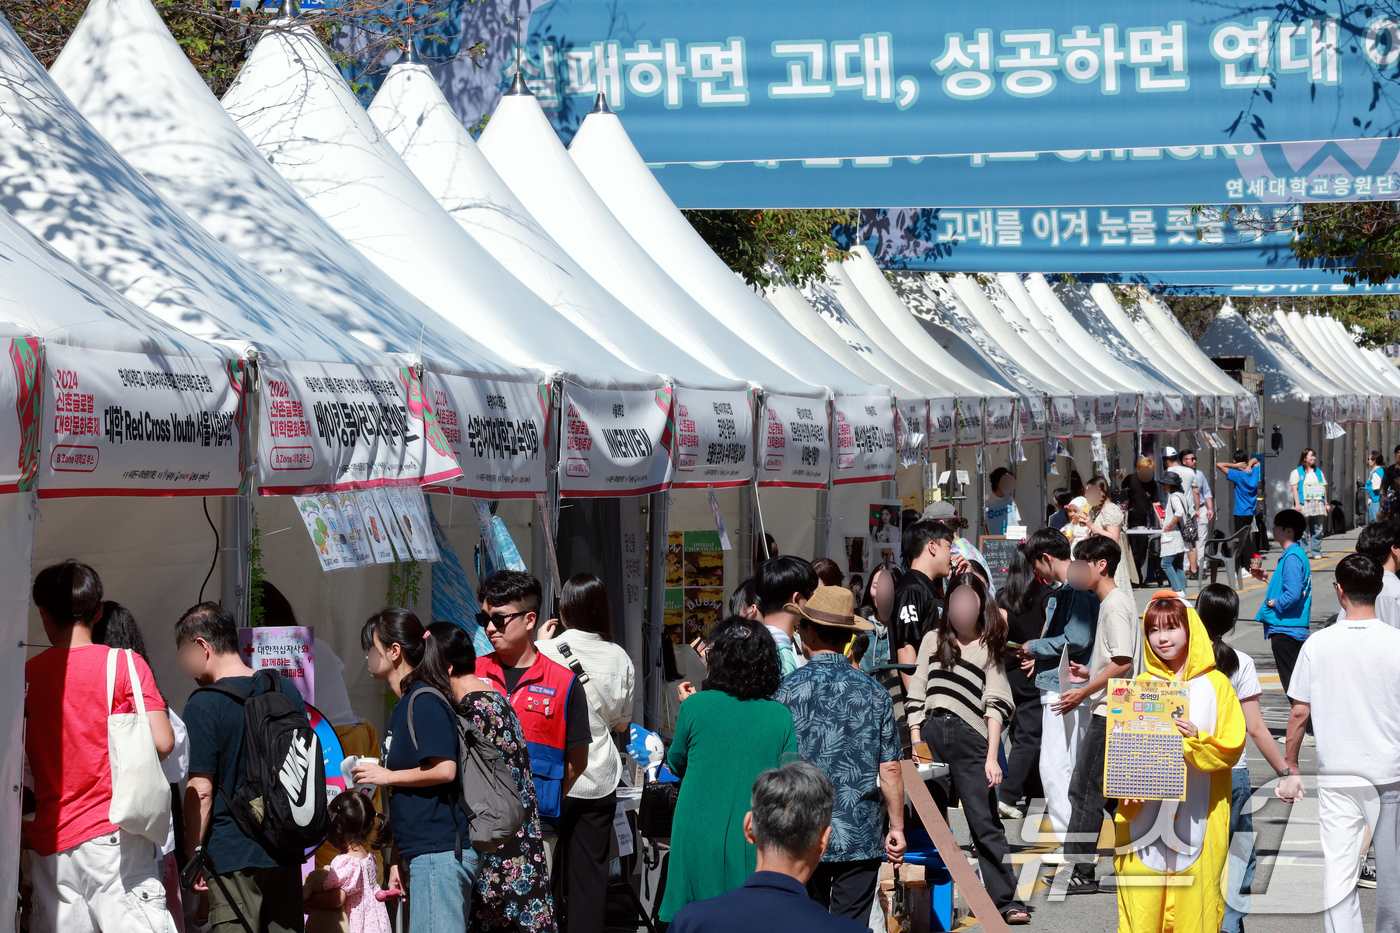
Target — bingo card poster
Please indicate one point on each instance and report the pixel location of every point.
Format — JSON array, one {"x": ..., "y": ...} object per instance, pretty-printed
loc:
[{"x": 1144, "y": 758}]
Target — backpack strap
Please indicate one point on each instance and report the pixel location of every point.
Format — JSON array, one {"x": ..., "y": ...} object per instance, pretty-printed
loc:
[
  {"x": 590, "y": 689},
  {"x": 425, "y": 688}
]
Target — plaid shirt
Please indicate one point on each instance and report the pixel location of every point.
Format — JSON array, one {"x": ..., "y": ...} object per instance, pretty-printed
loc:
[{"x": 845, "y": 726}]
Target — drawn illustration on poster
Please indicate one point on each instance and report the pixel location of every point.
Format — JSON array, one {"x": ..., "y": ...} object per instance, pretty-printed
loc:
[{"x": 376, "y": 534}]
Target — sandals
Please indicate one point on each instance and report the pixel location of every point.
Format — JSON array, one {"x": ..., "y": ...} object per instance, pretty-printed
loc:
[{"x": 1015, "y": 916}]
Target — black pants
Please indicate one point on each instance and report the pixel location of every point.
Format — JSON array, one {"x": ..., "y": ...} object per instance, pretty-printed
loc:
[
  {"x": 1248, "y": 547},
  {"x": 1086, "y": 800},
  {"x": 1022, "y": 777},
  {"x": 964, "y": 750},
  {"x": 1146, "y": 557},
  {"x": 846, "y": 889},
  {"x": 1286, "y": 652},
  {"x": 585, "y": 839}
]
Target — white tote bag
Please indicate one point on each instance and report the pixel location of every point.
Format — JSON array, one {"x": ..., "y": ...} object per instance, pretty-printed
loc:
[{"x": 140, "y": 793}]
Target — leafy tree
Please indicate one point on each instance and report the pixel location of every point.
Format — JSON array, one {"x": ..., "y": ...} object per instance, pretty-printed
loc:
[{"x": 764, "y": 246}]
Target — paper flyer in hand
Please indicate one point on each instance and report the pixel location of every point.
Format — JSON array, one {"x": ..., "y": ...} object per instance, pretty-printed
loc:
[{"x": 1144, "y": 758}]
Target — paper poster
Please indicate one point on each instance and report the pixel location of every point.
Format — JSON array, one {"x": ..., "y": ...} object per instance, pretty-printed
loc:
[
  {"x": 290, "y": 650},
  {"x": 1034, "y": 418},
  {"x": 883, "y": 518},
  {"x": 613, "y": 441},
  {"x": 391, "y": 523},
  {"x": 1106, "y": 414},
  {"x": 132, "y": 424},
  {"x": 323, "y": 525},
  {"x": 1127, "y": 413},
  {"x": 1205, "y": 412},
  {"x": 376, "y": 531},
  {"x": 497, "y": 431},
  {"x": 1000, "y": 420},
  {"x": 863, "y": 439},
  {"x": 796, "y": 445},
  {"x": 713, "y": 438},
  {"x": 942, "y": 423},
  {"x": 695, "y": 592},
  {"x": 912, "y": 423},
  {"x": 1062, "y": 414},
  {"x": 1144, "y": 759},
  {"x": 858, "y": 550},
  {"x": 1176, "y": 413},
  {"x": 1154, "y": 413},
  {"x": 1083, "y": 415},
  {"x": 970, "y": 424},
  {"x": 327, "y": 426},
  {"x": 354, "y": 528},
  {"x": 412, "y": 522}
]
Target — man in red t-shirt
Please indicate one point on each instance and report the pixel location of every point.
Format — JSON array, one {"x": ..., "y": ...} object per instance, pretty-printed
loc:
[{"x": 88, "y": 874}]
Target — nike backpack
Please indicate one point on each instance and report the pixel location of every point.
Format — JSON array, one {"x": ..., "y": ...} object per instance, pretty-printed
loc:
[{"x": 280, "y": 803}]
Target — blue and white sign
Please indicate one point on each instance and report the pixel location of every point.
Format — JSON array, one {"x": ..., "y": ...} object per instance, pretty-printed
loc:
[{"x": 734, "y": 80}]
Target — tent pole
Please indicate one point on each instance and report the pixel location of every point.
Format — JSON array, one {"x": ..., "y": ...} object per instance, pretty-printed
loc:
[
  {"x": 823, "y": 535},
  {"x": 236, "y": 517},
  {"x": 653, "y": 674}
]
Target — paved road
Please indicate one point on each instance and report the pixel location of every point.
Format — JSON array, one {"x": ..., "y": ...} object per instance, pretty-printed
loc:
[{"x": 1287, "y": 885}]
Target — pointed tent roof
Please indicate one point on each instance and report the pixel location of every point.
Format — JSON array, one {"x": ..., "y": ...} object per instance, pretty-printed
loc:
[
  {"x": 292, "y": 102},
  {"x": 1339, "y": 346},
  {"x": 66, "y": 184},
  {"x": 1023, "y": 315},
  {"x": 612, "y": 166},
  {"x": 417, "y": 121},
  {"x": 1285, "y": 378},
  {"x": 1158, "y": 316},
  {"x": 124, "y": 71},
  {"x": 1383, "y": 367},
  {"x": 979, "y": 301},
  {"x": 1280, "y": 330},
  {"x": 523, "y": 148},
  {"x": 1097, "y": 311}
]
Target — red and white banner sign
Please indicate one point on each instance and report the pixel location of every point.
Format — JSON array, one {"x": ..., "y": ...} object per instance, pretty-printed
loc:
[
  {"x": 1034, "y": 418},
  {"x": 1205, "y": 412},
  {"x": 330, "y": 426},
  {"x": 615, "y": 442},
  {"x": 1062, "y": 416},
  {"x": 1154, "y": 413},
  {"x": 1176, "y": 413},
  {"x": 796, "y": 445},
  {"x": 1127, "y": 413},
  {"x": 1226, "y": 413},
  {"x": 942, "y": 423},
  {"x": 862, "y": 427},
  {"x": 137, "y": 425},
  {"x": 971, "y": 429},
  {"x": 1084, "y": 416},
  {"x": 498, "y": 431},
  {"x": 1000, "y": 420},
  {"x": 1106, "y": 414},
  {"x": 911, "y": 424},
  {"x": 713, "y": 438}
]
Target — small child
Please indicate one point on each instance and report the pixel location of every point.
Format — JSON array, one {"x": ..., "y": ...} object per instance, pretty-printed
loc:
[{"x": 345, "y": 898}]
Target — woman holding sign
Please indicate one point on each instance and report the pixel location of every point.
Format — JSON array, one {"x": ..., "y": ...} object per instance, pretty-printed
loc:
[
  {"x": 1171, "y": 852},
  {"x": 1309, "y": 490}
]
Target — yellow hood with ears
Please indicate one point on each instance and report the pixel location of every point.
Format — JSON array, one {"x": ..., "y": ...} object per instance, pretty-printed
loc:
[{"x": 1200, "y": 654}]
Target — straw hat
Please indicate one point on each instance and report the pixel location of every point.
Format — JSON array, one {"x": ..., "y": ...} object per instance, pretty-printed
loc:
[{"x": 834, "y": 606}]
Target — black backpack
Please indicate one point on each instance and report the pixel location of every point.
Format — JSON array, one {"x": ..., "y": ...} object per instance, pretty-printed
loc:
[
  {"x": 280, "y": 801},
  {"x": 487, "y": 791}
]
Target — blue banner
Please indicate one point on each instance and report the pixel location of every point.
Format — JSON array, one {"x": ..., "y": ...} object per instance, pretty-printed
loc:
[
  {"x": 1296, "y": 283},
  {"x": 735, "y": 80},
  {"x": 1120, "y": 240},
  {"x": 1268, "y": 173}
]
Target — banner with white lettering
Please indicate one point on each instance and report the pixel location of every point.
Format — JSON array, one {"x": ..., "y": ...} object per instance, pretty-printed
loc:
[
  {"x": 1000, "y": 420},
  {"x": 329, "y": 426},
  {"x": 714, "y": 438},
  {"x": 20, "y": 392},
  {"x": 796, "y": 443},
  {"x": 496, "y": 430},
  {"x": 1154, "y": 413},
  {"x": 863, "y": 430},
  {"x": 971, "y": 425},
  {"x": 942, "y": 423},
  {"x": 911, "y": 416},
  {"x": 615, "y": 442},
  {"x": 1127, "y": 413},
  {"x": 1034, "y": 421},
  {"x": 133, "y": 424},
  {"x": 1062, "y": 416}
]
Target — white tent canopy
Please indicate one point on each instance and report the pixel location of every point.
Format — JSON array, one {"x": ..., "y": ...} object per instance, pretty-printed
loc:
[
  {"x": 1098, "y": 312},
  {"x": 417, "y": 121},
  {"x": 65, "y": 183},
  {"x": 1157, "y": 316},
  {"x": 1341, "y": 353},
  {"x": 1021, "y": 313},
  {"x": 292, "y": 101},
  {"x": 524, "y": 149},
  {"x": 125, "y": 72},
  {"x": 612, "y": 166}
]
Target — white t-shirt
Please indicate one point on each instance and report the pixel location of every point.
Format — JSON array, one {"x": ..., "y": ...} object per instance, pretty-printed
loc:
[
  {"x": 1188, "y": 481},
  {"x": 1172, "y": 541},
  {"x": 1001, "y": 512},
  {"x": 1245, "y": 680},
  {"x": 1348, "y": 673},
  {"x": 1387, "y": 603},
  {"x": 1119, "y": 635}
]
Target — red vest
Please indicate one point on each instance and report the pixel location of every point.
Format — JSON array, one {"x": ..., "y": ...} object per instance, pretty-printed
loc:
[{"x": 539, "y": 700}]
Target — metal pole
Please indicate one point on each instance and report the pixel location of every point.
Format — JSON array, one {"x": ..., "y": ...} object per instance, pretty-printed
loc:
[
  {"x": 653, "y": 674},
  {"x": 236, "y": 517}
]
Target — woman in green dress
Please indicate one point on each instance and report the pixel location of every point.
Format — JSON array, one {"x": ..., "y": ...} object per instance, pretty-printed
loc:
[{"x": 726, "y": 735}]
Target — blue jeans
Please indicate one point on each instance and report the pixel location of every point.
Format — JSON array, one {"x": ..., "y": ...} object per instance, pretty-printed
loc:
[
  {"x": 1373, "y": 511},
  {"x": 1241, "y": 860},
  {"x": 1176, "y": 576},
  {"x": 440, "y": 891},
  {"x": 1312, "y": 538}
]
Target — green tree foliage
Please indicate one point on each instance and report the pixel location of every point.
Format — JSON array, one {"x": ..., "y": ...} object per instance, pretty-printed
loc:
[{"x": 764, "y": 246}]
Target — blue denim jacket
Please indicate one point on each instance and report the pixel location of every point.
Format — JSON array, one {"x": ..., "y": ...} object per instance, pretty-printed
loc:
[{"x": 1074, "y": 621}]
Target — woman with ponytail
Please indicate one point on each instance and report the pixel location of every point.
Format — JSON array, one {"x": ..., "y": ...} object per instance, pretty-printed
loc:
[
  {"x": 434, "y": 861},
  {"x": 1021, "y": 600}
]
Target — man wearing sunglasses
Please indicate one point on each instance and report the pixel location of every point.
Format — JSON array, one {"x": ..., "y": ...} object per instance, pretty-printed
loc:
[{"x": 551, "y": 705}]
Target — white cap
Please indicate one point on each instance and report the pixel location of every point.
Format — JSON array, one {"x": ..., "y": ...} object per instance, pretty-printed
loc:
[{"x": 1168, "y": 453}]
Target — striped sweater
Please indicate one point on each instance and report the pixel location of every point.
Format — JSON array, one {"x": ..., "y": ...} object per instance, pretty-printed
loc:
[{"x": 974, "y": 689}]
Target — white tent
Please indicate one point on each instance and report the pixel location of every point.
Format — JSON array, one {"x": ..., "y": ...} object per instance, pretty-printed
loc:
[
  {"x": 1100, "y": 316},
  {"x": 1023, "y": 314},
  {"x": 1305, "y": 344},
  {"x": 292, "y": 101}
]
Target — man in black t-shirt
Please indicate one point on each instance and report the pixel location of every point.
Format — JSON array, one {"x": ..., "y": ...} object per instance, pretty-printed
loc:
[
  {"x": 918, "y": 603},
  {"x": 266, "y": 894},
  {"x": 1391, "y": 476},
  {"x": 1140, "y": 496}
]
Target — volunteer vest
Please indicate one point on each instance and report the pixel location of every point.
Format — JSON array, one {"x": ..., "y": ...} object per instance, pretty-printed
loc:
[{"x": 539, "y": 701}]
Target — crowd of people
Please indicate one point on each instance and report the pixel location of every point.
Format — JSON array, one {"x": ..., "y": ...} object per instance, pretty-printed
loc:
[{"x": 787, "y": 727}]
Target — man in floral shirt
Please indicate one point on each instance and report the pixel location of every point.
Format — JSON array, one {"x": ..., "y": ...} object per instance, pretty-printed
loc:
[{"x": 845, "y": 726}]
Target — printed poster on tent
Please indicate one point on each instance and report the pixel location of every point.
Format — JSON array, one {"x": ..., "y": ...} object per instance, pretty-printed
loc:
[
  {"x": 321, "y": 516},
  {"x": 328, "y": 426},
  {"x": 970, "y": 423},
  {"x": 1033, "y": 418},
  {"x": 695, "y": 592},
  {"x": 1000, "y": 420},
  {"x": 863, "y": 429},
  {"x": 942, "y": 423},
  {"x": 911, "y": 425},
  {"x": 376, "y": 530},
  {"x": 290, "y": 650},
  {"x": 615, "y": 442},
  {"x": 118, "y": 423},
  {"x": 496, "y": 430},
  {"x": 796, "y": 444},
  {"x": 713, "y": 439},
  {"x": 1106, "y": 414},
  {"x": 1154, "y": 413},
  {"x": 1084, "y": 416},
  {"x": 1127, "y": 413},
  {"x": 1062, "y": 413}
]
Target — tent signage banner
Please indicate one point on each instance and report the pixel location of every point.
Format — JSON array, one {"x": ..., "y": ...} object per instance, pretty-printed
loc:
[
  {"x": 118, "y": 423},
  {"x": 1106, "y": 414},
  {"x": 330, "y": 426},
  {"x": 1033, "y": 418},
  {"x": 942, "y": 423},
  {"x": 730, "y": 80},
  {"x": 1154, "y": 413},
  {"x": 1124, "y": 241},
  {"x": 1084, "y": 416},
  {"x": 1205, "y": 412},
  {"x": 863, "y": 430},
  {"x": 1373, "y": 408},
  {"x": 20, "y": 392},
  {"x": 1127, "y": 413},
  {"x": 1331, "y": 171},
  {"x": 912, "y": 425},
  {"x": 796, "y": 443},
  {"x": 970, "y": 422},
  {"x": 496, "y": 430},
  {"x": 1000, "y": 420},
  {"x": 1062, "y": 416},
  {"x": 714, "y": 439},
  {"x": 1176, "y": 414},
  {"x": 614, "y": 442},
  {"x": 1317, "y": 411}
]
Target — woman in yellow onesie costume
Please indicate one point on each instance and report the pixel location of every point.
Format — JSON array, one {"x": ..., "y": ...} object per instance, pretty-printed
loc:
[{"x": 1169, "y": 854}]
